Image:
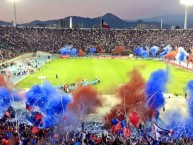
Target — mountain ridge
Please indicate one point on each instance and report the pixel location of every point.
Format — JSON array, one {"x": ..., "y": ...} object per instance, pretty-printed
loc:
[
  {"x": 113, "y": 20},
  {"x": 172, "y": 20}
]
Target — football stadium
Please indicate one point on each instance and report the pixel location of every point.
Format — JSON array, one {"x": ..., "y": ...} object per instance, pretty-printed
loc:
[{"x": 95, "y": 81}]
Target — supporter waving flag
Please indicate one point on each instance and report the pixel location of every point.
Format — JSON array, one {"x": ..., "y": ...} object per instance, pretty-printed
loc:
[
  {"x": 160, "y": 132},
  {"x": 126, "y": 132},
  {"x": 105, "y": 25},
  {"x": 148, "y": 138}
]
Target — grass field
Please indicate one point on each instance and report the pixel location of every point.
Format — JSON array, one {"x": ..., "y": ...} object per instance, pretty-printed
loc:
[{"x": 111, "y": 72}]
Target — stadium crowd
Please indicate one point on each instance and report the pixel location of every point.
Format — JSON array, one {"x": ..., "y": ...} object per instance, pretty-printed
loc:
[
  {"x": 16, "y": 41},
  {"x": 22, "y": 134}
]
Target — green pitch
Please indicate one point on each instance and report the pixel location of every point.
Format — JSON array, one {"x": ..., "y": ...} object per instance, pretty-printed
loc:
[{"x": 111, "y": 72}]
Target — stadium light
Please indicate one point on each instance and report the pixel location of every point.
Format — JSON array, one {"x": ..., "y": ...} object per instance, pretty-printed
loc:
[
  {"x": 14, "y": 9},
  {"x": 186, "y": 3}
]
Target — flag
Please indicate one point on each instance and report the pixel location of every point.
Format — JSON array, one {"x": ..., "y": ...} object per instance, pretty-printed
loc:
[
  {"x": 117, "y": 127},
  {"x": 105, "y": 25},
  {"x": 160, "y": 132},
  {"x": 126, "y": 132},
  {"x": 148, "y": 138},
  {"x": 35, "y": 129},
  {"x": 38, "y": 116}
]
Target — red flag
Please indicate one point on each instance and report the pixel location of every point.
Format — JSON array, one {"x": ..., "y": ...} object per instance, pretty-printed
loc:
[
  {"x": 35, "y": 129},
  {"x": 127, "y": 132},
  {"x": 105, "y": 25},
  {"x": 39, "y": 116},
  {"x": 116, "y": 127}
]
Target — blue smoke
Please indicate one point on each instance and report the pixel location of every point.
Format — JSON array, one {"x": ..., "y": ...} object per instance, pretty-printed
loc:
[
  {"x": 66, "y": 50},
  {"x": 139, "y": 51},
  {"x": 167, "y": 49},
  {"x": 38, "y": 96},
  {"x": 5, "y": 99},
  {"x": 155, "y": 88},
  {"x": 154, "y": 50},
  {"x": 59, "y": 105},
  {"x": 182, "y": 55},
  {"x": 92, "y": 50},
  {"x": 145, "y": 53},
  {"x": 182, "y": 127},
  {"x": 190, "y": 100},
  {"x": 175, "y": 122},
  {"x": 74, "y": 52},
  {"x": 15, "y": 96},
  {"x": 49, "y": 121},
  {"x": 51, "y": 102}
]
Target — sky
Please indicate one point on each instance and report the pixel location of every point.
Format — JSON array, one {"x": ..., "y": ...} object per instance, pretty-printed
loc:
[{"x": 29, "y": 10}]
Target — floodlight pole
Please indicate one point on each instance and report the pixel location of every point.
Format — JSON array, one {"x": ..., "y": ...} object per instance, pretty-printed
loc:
[
  {"x": 15, "y": 17},
  {"x": 186, "y": 18},
  {"x": 161, "y": 23}
]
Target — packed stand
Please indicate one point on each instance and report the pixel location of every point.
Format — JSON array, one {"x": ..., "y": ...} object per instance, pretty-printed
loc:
[
  {"x": 20, "y": 40},
  {"x": 12, "y": 133}
]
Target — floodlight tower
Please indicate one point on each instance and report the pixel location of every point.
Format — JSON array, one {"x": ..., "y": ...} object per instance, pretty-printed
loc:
[
  {"x": 186, "y": 3},
  {"x": 15, "y": 13},
  {"x": 15, "y": 18}
]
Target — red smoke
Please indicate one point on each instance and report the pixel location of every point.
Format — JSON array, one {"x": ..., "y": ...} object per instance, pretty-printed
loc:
[
  {"x": 116, "y": 112},
  {"x": 132, "y": 92},
  {"x": 133, "y": 98},
  {"x": 80, "y": 52},
  {"x": 172, "y": 54},
  {"x": 85, "y": 98},
  {"x": 2, "y": 81},
  {"x": 190, "y": 58},
  {"x": 119, "y": 49},
  {"x": 99, "y": 49}
]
